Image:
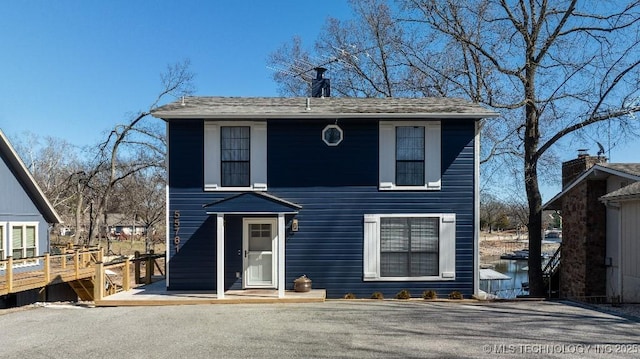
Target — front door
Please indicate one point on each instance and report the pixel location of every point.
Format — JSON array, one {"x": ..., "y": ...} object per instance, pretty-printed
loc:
[{"x": 259, "y": 245}]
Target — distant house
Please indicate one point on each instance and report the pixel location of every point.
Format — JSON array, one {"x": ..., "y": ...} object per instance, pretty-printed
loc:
[
  {"x": 359, "y": 194},
  {"x": 600, "y": 207},
  {"x": 123, "y": 226}
]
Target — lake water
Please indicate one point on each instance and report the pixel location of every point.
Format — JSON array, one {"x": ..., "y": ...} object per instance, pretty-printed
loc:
[{"x": 517, "y": 270}]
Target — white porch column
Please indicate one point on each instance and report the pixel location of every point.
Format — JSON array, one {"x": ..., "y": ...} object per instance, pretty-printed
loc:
[
  {"x": 281, "y": 244},
  {"x": 220, "y": 255}
]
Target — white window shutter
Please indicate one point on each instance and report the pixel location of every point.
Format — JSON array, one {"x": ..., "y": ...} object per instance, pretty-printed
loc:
[
  {"x": 387, "y": 155},
  {"x": 371, "y": 256},
  {"x": 448, "y": 246},
  {"x": 433, "y": 155},
  {"x": 259, "y": 155},
  {"x": 211, "y": 155}
]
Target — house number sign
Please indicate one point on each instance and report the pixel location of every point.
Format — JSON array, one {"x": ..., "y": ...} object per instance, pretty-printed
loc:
[{"x": 176, "y": 230}]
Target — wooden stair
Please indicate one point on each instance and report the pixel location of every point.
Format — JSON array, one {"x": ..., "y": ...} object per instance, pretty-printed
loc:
[{"x": 83, "y": 288}]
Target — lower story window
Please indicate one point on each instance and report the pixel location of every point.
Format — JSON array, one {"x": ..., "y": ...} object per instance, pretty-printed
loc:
[
  {"x": 409, "y": 246},
  {"x": 23, "y": 241}
]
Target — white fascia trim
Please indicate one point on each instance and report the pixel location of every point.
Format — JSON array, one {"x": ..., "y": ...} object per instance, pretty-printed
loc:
[{"x": 333, "y": 116}]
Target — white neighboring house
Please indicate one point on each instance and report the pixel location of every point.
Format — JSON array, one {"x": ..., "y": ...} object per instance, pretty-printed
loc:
[
  {"x": 600, "y": 205},
  {"x": 119, "y": 224},
  {"x": 625, "y": 205}
]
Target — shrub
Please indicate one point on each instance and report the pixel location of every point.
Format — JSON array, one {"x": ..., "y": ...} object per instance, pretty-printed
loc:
[
  {"x": 403, "y": 294},
  {"x": 455, "y": 295},
  {"x": 349, "y": 296},
  {"x": 377, "y": 295},
  {"x": 429, "y": 294}
]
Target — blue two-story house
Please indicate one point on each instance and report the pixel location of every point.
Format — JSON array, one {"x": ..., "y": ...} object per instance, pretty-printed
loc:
[{"x": 359, "y": 194}]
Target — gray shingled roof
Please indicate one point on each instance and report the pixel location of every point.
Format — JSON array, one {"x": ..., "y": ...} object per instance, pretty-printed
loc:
[
  {"x": 629, "y": 168},
  {"x": 628, "y": 192},
  {"x": 330, "y": 107},
  {"x": 625, "y": 170}
]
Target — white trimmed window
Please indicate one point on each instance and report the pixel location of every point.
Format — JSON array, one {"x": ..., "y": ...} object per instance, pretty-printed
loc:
[
  {"x": 409, "y": 247},
  {"x": 235, "y": 155},
  {"x": 409, "y": 155},
  {"x": 24, "y": 240},
  {"x": 2, "y": 245}
]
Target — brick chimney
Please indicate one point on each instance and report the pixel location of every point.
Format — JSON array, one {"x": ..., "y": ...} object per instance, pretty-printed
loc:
[{"x": 574, "y": 168}]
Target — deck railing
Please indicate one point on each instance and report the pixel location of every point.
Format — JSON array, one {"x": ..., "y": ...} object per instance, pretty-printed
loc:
[
  {"x": 22, "y": 274},
  {"x": 17, "y": 275}
]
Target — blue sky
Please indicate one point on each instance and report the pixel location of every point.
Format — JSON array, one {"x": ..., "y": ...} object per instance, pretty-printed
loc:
[{"x": 73, "y": 69}]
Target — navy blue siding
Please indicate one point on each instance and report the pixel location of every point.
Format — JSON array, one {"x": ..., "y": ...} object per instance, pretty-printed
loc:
[
  {"x": 233, "y": 251},
  {"x": 297, "y": 156},
  {"x": 194, "y": 265},
  {"x": 335, "y": 186}
]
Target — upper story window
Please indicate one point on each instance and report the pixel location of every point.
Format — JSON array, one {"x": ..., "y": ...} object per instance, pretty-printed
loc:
[
  {"x": 332, "y": 135},
  {"x": 234, "y": 152},
  {"x": 235, "y": 155},
  {"x": 409, "y": 155}
]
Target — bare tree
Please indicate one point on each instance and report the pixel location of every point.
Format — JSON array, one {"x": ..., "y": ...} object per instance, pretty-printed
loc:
[
  {"x": 135, "y": 145},
  {"x": 142, "y": 198},
  {"x": 362, "y": 55},
  {"x": 556, "y": 67}
]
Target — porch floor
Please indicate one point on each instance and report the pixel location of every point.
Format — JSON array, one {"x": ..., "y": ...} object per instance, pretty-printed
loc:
[{"x": 156, "y": 294}]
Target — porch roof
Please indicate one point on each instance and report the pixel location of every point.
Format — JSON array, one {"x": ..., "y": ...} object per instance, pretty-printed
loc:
[{"x": 252, "y": 202}]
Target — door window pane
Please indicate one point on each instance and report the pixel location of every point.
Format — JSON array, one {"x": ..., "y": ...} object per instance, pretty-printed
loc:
[{"x": 260, "y": 237}]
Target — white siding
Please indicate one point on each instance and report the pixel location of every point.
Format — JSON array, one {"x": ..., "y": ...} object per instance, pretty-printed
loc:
[{"x": 630, "y": 237}]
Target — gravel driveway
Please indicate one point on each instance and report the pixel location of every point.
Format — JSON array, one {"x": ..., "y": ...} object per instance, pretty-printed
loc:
[{"x": 358, "y": 329}]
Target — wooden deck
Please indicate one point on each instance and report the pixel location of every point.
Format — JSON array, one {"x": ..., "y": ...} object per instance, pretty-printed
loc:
[
  {"x": 32, "y": 273},
  {"x": 82, "y": 269}
]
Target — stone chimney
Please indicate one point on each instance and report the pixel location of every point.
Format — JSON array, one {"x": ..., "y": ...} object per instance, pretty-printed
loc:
[{"x": 574, "y": 168}]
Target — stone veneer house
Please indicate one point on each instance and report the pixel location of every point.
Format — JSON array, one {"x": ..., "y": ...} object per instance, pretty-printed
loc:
[{"x": 600, "y": 207}]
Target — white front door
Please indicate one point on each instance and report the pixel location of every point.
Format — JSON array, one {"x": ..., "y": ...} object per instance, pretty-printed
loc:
[{"x": 260, "y": 259}]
